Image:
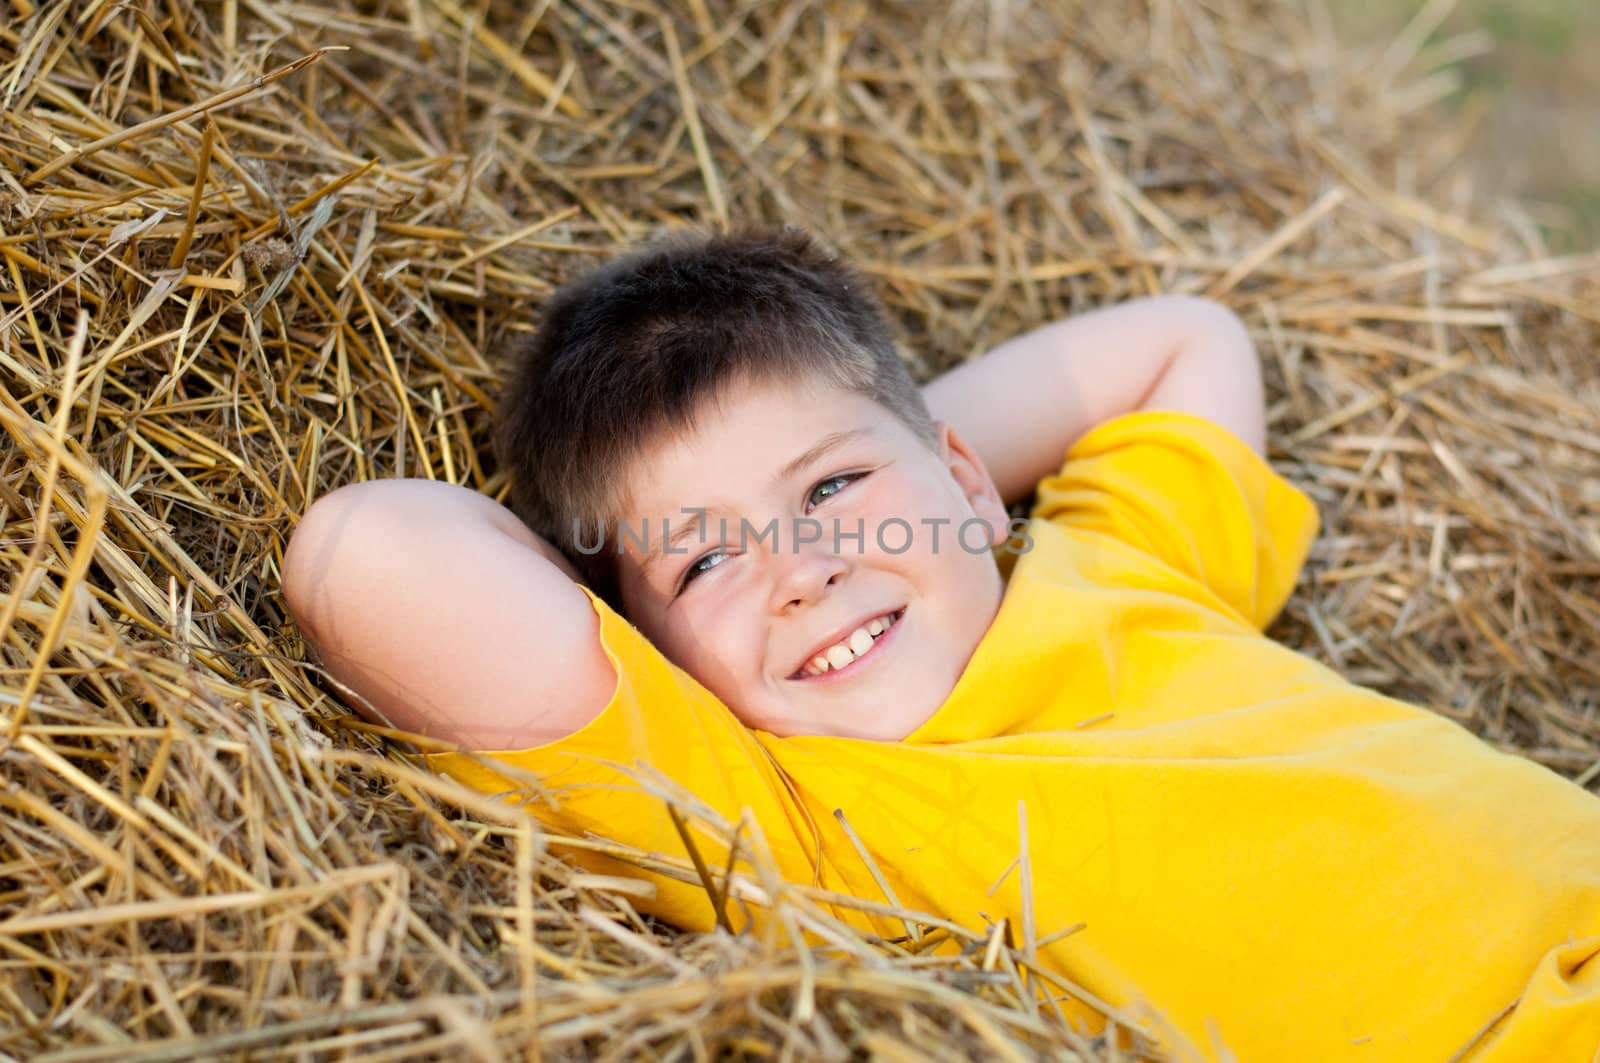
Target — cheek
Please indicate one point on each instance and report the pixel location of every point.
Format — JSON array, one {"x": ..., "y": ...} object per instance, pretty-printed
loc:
[
  {"x": 934, "y": 516},
  {"x": 884, "y": 507},
  {"x": 713, "y": 641}
]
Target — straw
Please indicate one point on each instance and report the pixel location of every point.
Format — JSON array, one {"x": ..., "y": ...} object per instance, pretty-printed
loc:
[{"x": 254, "y": 250}]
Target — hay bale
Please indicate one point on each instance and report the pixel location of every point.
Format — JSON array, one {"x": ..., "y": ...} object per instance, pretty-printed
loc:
[{"x": 256, "y": 250}]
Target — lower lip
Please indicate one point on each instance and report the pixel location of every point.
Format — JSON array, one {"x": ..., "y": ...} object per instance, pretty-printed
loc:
[{"x": 855, "y": 666}]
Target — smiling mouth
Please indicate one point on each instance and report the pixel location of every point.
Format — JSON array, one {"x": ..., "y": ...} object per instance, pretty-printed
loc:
[{"x": 843, "y": 655}]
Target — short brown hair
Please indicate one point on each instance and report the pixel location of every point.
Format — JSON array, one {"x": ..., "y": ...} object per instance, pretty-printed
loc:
[{"x": 631, "y": 349}]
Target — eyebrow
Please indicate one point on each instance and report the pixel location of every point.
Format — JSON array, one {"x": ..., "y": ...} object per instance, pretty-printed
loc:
[
  {"x": 810, "y": 456},
  {"x": 830, "y": 442}
]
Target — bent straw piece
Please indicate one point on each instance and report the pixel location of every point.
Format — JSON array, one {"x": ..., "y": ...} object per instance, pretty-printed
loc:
[
  {"x": 186, "y": 237},
  {"x": 160, "y": 121},
  {"x": 912, "y": 930}
]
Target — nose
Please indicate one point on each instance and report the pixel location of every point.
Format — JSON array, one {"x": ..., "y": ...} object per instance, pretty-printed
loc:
[{"x": 804, "y": 575}]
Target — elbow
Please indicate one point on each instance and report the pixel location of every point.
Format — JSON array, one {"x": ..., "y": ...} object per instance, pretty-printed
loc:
[
  {"x": 1208, "y": 331},
  {"x": 1214, "y": 371},
  {"x": 1212, "y": 323},
  {"x": 326, "y": 531},
  {"x": 1221, "y": 337}
]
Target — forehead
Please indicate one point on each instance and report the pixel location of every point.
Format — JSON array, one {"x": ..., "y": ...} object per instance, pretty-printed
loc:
[{"x": 744, "y": 436}]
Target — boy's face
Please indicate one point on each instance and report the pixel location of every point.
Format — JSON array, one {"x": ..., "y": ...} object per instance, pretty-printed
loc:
[{"x": 754, "y": 616}]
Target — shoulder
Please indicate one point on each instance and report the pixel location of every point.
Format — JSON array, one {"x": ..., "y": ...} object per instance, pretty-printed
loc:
[{"x": 1192, "y": 495}]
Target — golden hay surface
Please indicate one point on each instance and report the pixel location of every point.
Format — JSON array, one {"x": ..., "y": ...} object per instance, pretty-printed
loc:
[{"x": 229, "y": 287}]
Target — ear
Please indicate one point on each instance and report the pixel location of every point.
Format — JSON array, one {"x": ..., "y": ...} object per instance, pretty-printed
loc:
[{"x": 968, "y": 471}]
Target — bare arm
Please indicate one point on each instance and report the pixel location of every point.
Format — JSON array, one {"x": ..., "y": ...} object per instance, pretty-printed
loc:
[
  {"x": 447, "y": 615},
  {"x": 1023, "y": 404}
]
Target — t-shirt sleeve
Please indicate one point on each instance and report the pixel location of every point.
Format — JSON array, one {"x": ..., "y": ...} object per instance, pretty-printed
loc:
[
  {"x": 1192, "y": 495},
  {"x": 662, "y": 732}
]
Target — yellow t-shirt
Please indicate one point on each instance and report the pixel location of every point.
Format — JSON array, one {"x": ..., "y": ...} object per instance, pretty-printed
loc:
[{"x": 1265, "y": 854}]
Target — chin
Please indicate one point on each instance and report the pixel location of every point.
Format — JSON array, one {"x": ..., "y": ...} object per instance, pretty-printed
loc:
[{"x": 897, "y": 727}]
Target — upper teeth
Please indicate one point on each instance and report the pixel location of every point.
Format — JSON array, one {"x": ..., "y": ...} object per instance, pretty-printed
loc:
[{"x": 843, "y": 653}]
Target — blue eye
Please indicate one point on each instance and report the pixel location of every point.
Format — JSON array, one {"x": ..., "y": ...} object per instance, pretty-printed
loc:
[
  {"x": 831, "y": 486},
  {"x": 699, "y": 567}
]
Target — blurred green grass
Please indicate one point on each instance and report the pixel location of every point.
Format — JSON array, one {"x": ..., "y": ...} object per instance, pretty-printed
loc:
[
  {"x": 1539, "y": 93},
  {"x": 1550, "y": 25}
]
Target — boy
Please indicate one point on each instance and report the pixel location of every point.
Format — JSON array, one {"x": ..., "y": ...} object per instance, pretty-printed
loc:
[{"x": 720, "y": 434}]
